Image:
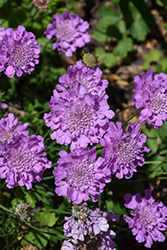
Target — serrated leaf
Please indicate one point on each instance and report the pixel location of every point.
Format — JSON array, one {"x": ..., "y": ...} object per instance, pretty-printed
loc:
[
  {"x": 155, "y": 55},
  {"x": 109, "y": 60},
  {"x": 50, "y": 219},
  {"x": 100, "y": 53},
  {"x": 123, "y": 47},
  {"x": 99, "y": 36},
  {"x": 107, "y": 11},
  {"x": 151, "y": 142}
]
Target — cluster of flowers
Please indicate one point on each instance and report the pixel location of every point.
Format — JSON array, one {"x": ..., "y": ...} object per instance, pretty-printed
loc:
[
  {"x": 88, "y": 229},
  {"x": 80, "y": 117},
  {"x": 22, "y": 156}
]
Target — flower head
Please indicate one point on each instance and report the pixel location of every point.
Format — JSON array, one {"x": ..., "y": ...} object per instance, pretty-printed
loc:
[
  {"x": 150, "y": 94},
  {"x": 78, "y": 117},
  {"x": 70, "y": 31},
  {"x": 88, "y": 229},
  {"x": 80, "y": 74},
  {"x": 41, "y": 4},
  {"x": 149, "y": 218},
  {"x": 10, "y": 127},
  {"x": 23, "y": 160},
  {"x": 19, "y": 52},
  {"x": 4, "y": 105},
  {"x": 82, "y": 175},
  {"x": 124, "y": 151}
]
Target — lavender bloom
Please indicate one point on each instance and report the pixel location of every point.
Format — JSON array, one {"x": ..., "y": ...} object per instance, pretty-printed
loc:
[
  {"x": 41, "y": 4},
  {"x": 80, "y": 74},
  {"x": 151, "y": 95},
  {"x": 10, "y": 127},
  {"x": 4, "y": 105},
  {"x": 83, "y": 175},
  {"x": 124, "y": 151},
  {"x": 77, "y": 117},
  {"x": 70, "y": 31},
  {"x": 19, "y": 52},
  {"x": 89, "y": 228},
  {"x": 148, "y": 218},
  {"x": 23, "y": 160}
]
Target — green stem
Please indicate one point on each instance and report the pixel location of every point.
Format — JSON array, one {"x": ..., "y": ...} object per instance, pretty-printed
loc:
[
  {"x": 48, "y": 178},
  {"x": 131, "y": 106},
  {"x": 131, "y": 117},
  {"x": 7, "y": 210},
  {"x": 152, "y": 162}
]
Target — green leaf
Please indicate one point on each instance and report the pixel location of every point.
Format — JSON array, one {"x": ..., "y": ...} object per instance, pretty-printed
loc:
[
  {"x": 156, "y": 167},
  {"x": 151, "y": 142},
  {"x": 99, "y": 36},
  {"x": 107, "y": 11},
  {"x": 50, "y": 219},
  {"x": 155, "y": 55},
  {"x": 123, "y": 47},
  {"x": 100, "y": 53},
  {"x": 162, "y": 3},
  {"x": 109, "y": 60}
]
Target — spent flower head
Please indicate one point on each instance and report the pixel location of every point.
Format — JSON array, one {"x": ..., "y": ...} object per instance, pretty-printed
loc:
[
  {"x": 150, "y": 95},
  {"x": 124, "y": 151},
  {"x": 41, "y": 4},
  {"x": 70, "y": 31},
  {"x": 23, "y": 160},
  {"x": 19, "y": 52},
  {"x": 148, "y": 218},
  {"x": 23, "y": 211},
  {"x": 90, "y": 60},
  {"x": 78, "y": 175},
  {"x": 78, "y": 117}
]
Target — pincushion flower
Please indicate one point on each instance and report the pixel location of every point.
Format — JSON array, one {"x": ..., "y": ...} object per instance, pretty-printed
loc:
[
  {"x": 89, "y": 228},
  {"x": 124, "y": 151},
  {"x": 148, "y": 219},
  {"x": 80, "y": 74},
  {"x": 3, "y": 105},
  {"x": 10, "y": 127},
  {"x": 41, "y": 4},
  {"x": 78, "y": 117},
  {"x": 150, "y": 94},
  {"x": 19, "y": 52},
  {"x": 82, "y": 175},
  {"x": 70, "y": 31},
  {"x": 23, "y": 160}
]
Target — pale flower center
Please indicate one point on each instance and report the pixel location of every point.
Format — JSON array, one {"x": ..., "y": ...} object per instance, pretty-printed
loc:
[
  {"x": 21, "y": 54},
  {"x": 65, "y": 31},
  {"x": 78, "y": 118},
  {"x": 126, "y": 150},
  {"x": 81, "y": 174},
  {"x": 158, "y": 103},
  {"x": 147, "y": 215}
]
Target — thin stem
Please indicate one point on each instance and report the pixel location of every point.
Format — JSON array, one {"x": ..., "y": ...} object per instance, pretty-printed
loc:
[
  {"x": 132, "y": 117},
  {"x": 152, "y": 162},
  {"x": 48, "y": 178},
  {"x": 131, "y": 106},
  {"x": 7, "y": 210}
]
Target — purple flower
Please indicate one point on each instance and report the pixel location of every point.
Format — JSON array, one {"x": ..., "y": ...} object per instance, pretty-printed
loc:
[
  {"x": 70, "y": 31},
  {"x": 148, "y": 218},
  {"x": 78, "y": 117},
  {"x": 124, "y": 151},
  {"x": 88, "y": 228},
  {"x": 41, "y": 4},
  {"x": 4, "y": 105},
  {"x": 23, "y": 160},
  {"x": 151, "y": 95},
  {"x": 10, "y": 127},
  {"x": 80, "y": 74},
  {"x": 19, "y": 52},
  {"x": 82, "y": 175}
]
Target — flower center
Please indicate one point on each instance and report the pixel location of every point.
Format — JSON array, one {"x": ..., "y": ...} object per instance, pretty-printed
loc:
[
  {"x": 65, "y": 31},
  {"x": 22, "y": 158},
  {"x": 158, "y": 103},
  {"x": 80, "y": 174},
  {"x": 146, "y": 215},
  {"x": 78, "y": 118},
  {"x": 21, "y": 54},
  {"x": 126, "y": 150}
]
